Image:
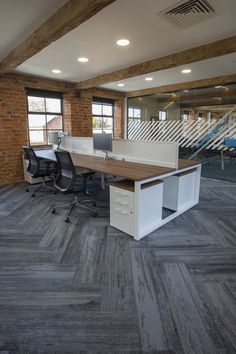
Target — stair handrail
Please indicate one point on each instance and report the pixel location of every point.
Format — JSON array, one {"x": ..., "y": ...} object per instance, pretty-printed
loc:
[{"x": 214, "y": 136}]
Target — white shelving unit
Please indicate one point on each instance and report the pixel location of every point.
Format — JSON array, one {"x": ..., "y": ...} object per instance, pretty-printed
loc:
[{"x": 179, "y": 190}]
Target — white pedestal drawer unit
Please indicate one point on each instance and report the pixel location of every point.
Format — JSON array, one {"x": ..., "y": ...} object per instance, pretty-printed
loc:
[
  {"x": 123, "y": 214},
  {"x": 122, "y": 207}
]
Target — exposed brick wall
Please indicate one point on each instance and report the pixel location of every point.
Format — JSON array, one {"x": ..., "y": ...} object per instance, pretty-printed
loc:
[
  {"x": 13, "y": 117},
  {"x": 81, "y": 116},
  {"x": 79, "y": 111},
  {"x": 119, "y": 118},
  {"x": 118, "y": 111},
  {"x": 67, "y": 112},
  {"x": 13, "y": 133}
]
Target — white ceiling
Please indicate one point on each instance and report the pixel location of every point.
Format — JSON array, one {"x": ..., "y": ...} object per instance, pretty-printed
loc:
[
  {"x": 19, "y": 18},
  {"x": 150, "y": 37}
]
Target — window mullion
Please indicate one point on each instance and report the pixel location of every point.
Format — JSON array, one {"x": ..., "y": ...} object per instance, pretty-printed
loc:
[
  {"x": 45, "y": 110},
  {"x": 102, "y": 116}
]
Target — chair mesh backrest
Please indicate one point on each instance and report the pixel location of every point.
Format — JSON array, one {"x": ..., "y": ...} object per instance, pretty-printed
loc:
[
  {"x": 33, "y": 167},
  {"x": 66, "y": 171}
]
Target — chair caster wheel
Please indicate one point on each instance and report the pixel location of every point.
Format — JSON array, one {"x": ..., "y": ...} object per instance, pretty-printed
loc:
[
  {"x": 94, "y": 204},
  {"x": 94, "y": 215},
  {"x": 67, "y": 220},
  {"x": 32, "y": 195},
  {"x": 53, "y": 211},
  {"x": 54, "y": 192},
  {"x": 27, "y": 190}
]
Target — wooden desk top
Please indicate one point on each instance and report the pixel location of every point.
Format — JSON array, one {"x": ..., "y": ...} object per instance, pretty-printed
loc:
[
  {"x": 188, "y": 163},
  {"x": 130, "y": 170}
]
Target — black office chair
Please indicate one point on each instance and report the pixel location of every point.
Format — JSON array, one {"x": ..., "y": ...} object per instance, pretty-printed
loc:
[
  {"x": 68, "y": 182},
  {"x": 40, "y": 168}
]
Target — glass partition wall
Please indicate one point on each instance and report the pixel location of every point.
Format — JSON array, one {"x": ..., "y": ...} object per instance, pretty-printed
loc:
[
  {"x": 208, "y": 104},
  {"x": 202, "y": 121}
]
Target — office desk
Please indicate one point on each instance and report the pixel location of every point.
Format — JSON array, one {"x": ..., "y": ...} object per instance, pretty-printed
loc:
[{"x": 136, "y": 203}]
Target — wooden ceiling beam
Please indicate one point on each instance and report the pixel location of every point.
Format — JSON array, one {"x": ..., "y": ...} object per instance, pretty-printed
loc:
[
  {"x": 65, "y": 19},
  {"x": 18, "y": 81},
  {"x": 206, "y": 51},
  {"x": 219, "y": 80},
  {"x": 223, "y": 94}
]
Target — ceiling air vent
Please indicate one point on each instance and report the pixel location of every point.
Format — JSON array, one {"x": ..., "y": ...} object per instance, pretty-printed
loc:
[{"x": 187, "y": 13}]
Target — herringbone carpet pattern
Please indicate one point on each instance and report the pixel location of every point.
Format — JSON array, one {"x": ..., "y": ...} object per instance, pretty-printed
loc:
[{"x": 86, "y": 287}]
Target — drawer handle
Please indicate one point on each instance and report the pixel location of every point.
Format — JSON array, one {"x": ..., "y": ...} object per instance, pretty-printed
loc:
[
  {"x": 122, "y": 194},
  {"x": 120, "y": 202},
  {"x": 121, "y": 211}
]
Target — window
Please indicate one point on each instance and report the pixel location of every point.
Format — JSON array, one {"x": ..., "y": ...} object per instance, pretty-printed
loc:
[
  {"x": 44, "y": 115},
  {"x": 185, "y": 115},
  {"x": 103, "y": 115},
  {"x": 162, "y": 115},
  {"x": 199, "y": 117},
  {"x": 134, "y": 112}
]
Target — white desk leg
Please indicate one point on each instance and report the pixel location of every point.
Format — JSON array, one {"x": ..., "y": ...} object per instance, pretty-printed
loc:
[
  {"x": 197, "y": 183},
  {"x": 222, "y": 159},
  {"x": 136, "y": 209}
]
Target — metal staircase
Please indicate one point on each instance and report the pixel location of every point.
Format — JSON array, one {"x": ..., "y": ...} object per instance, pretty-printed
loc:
[
  {"x": 210, "y": 135},
  {"x": 190, "y": 135},
  {"x": 215, "y": 138}
]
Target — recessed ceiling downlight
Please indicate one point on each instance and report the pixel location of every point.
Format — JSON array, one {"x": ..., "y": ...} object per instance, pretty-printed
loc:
[
  {"x": 83, "y": 60},
  {"x": 148, "y": 78},
  {"x": 122, "y": 42},
  {"x": 56, "y": 71},
  {"x": 186, "y": 71},
  {"x": 120, "y": 85}
]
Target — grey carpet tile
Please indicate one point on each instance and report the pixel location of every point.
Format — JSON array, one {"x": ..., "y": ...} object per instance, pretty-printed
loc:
[
  {"x": 86, "y": 287},
  {"x": 117, "y": 290}
]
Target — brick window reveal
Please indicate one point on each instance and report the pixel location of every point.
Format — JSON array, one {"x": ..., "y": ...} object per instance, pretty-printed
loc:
[{"x": 44, "y": 115}]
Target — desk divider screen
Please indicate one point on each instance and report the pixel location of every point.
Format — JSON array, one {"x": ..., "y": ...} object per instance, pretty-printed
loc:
[
  {"x": 80, "y": 145},
  {"x": 149, "y": 152}
]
